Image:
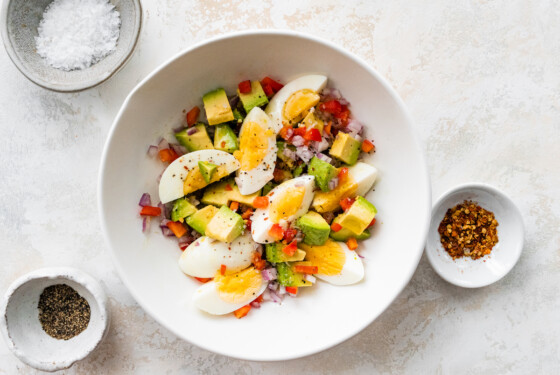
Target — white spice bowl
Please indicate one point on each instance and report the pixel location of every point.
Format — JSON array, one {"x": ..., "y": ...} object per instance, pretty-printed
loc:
[
  {"x": 19, "y": 20},
  {"x": 466, "y": 272},
  {"x": 20, "y": 326}
]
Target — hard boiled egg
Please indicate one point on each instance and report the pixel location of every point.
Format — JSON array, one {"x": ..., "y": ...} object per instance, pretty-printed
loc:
[
  {"x": 205, "y": 256},
  {"x": 227, "y": 293},
  {"x": 293, "y": 101},
  {"x": 183, "y": 176},
  {"x": 338, "y": 265},
  {"x": 287, "y": 202},
  {"x": 257, "y": 152},
  {"x": 361, "y": 178}
]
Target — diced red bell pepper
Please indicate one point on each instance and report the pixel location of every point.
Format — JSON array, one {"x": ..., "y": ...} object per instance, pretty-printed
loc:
[
  {"x": 346, "y": 203},
  {"x": 203, "y": 279},
  {"x": 342, "y": 175},
  {"x": 290, "y": 234},
  {"x": 241, "y": 312},
  {"x": 313, "y": 135},
  {"x": 336, "y": 227},
  {"x": 228, "y": 187},
  {"x": 177, "y": 228},
  {"x": 150, "y": 211},
  {"x": 290, "y": 249},
  {"x": 291, "y": 289},
  {"x": 276, "y": 232},
  {"x": 331, "y": 106},
  {"x": 267, "y": 90},
  {"x": 300, "y": 131},
  {"x": 352, "y": 243},
  {"x": 245, "y": 87},
  {"x": 343, "y": 115},
  {"x": 192, "y": 116},
  {"x": 167, "y": 155},
  {"x": 274, "y": 85},
  {"x": 367, "y": 146},
  {"x": 234, "y": 206},
  {"x": 286, "y": 132},
  {"x": 247, "y": 214},
  {"x": 372, "y": 223},
  {"x": 327, "y": 128},
  {"x": 259, "y": 299},
  {"x": 260, "y": 202},
  {"x": 310, "y": 270},
  {"x": 223, "y": 269},
  {"x": 257, "y": 261}
]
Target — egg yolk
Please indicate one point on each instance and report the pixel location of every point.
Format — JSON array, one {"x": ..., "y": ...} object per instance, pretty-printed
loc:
[
  {"x": 195, "y": 181},
  {"x": 286, "y": 203},
  {"x": 330, "y": 200},
  {"x": 329, "y": 258},
  {"x": 298, "y": 104},
  {"x": 239, "y": 287},
  {"x": 253, "y": 146}
]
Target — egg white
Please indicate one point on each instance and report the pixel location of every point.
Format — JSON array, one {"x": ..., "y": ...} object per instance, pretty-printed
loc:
[
  {"x": 275, "y": 107},
  {"x": 364, "y": 175},
  {"x": 171, "y": 183},
  {"x": 261, "y": 222},
  {"x": 352, "y": 271},
  {"x": 250, "y": 181},
  {"x": 207, "y": 299},
  {"x": 205, "y": 256}
]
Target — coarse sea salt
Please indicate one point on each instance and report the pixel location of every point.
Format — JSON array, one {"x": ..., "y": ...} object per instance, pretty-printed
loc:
[{"x": 75, "y": 34}]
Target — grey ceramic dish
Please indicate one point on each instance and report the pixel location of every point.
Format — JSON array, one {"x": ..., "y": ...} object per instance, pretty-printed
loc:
[{"x": 18, "y": 23}]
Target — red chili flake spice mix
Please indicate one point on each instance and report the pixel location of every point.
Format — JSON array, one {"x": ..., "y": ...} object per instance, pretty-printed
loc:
[{"x": 468, "y": 230}]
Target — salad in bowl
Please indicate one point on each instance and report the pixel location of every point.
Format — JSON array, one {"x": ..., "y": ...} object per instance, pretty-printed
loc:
[{"x": 264, "y": 191}]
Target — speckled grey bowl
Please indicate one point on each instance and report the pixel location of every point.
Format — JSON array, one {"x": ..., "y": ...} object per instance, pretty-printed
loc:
[{"x": 18, "y": 23}]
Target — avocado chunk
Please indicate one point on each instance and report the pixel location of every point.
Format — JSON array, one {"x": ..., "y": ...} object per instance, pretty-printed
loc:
[
  {"x": 313, "y": 122},
  {"x": 274, "y": 253},
  {"x": 268, "y": 187},
  {"x": 358, "y": 217},
  {"x": 200, "y": 219},
  {"x": 196, "y": 141},
  {"x": 238, "y": 117},
  {"x": 298, "y": 171},
  {"x": 314, "y": 227},
  {"x": 207, "y": 170},
  {"x": 344, "y": 234},
  {"x": 255, "y": 98},
  {"x": 323, "y": 172},
  {"x": 225, "y": 226},
  {"x": 288, "y": 277},
  {"x": 221, "y": 195},
  {"x": 346, "y": 148},
  {"x": 216, "y": 105},
  {"x": 281, "y": 146},
  {"x": 225, "y": 139},
  {"x": 182, "y": 208}
]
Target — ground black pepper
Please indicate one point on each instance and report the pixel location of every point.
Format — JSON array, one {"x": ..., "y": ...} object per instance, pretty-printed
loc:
[{"x": 63, "y": 313}]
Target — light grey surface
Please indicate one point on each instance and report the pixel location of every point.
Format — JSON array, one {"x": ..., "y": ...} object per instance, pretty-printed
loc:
[{"x": 482, "y": 81}]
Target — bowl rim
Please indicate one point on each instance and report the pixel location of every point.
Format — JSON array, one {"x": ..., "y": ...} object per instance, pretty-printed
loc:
[
  {"x": 267, "y": 32},
  {"x": 30, "y": 75},
  {"x": 514, "y": 211},
  {"x": 55, "y": 273}
]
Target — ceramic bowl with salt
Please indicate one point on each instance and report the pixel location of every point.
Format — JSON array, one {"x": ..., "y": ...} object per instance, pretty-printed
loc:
[{"x": 19, "y": 20}]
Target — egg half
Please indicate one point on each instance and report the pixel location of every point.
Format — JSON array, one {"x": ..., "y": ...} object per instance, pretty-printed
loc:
[
  {"x": 257, "y": 152},
  {"x": 227, "y": 293},
  {"x": 205, "y": 256},
  {"x": 361, "y": 178},
  {"x": 183, "y": 176},
  {"x": 289, "y": 105},
  {"x": 287, "y": 202},
  {"x": 337, "y": 264}
]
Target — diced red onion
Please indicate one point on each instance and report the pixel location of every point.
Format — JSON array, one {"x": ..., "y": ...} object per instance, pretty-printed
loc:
[
  {"x": 165, "y": 210},
  {"x": 361, "y": 256},
  {"x": 166, "y": 231},
  {"x": 163, "y": 223},
  {"x": 159, "y": 177},
  {"x": 304, "y": 153},
  {"x": 178, "y": 128},
  {"x": 179, "y": 150},
  {"x": 256, "y": 304},
  {"x": 321, "y": 146},
  {"x": 354, "y": 127},
  {"x": 328, "y": 216},
  {"x": 163, "y": 144},
  {"x": 336, "y": 93},
  {"x": 343, "y": 101},
  {"x": 282, "y": 290},
  {"x": 333, "y": 183},
  {"x": 298, "y": 141},
  {"x": 273, "y": 285},
  {"x": 323, "y": 157},
  {"x": 299, "y": 236},
  {"x": 289, "y": 153},
  {"x": 312, "y": 279},
  {"x": 269, "y": 274},
  {"x": 145, "y": 200},
  {"x": 194, "y": 201},
  {"x": 152, "y": 151},
  {"x": 146, "y": 221},
  {"x": 192, "y": 131},
  {"x": 289, "y": 133},
  {"x": 270, "y": 295}
]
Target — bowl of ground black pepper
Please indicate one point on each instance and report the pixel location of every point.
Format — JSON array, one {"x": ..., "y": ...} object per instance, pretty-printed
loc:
[
  {"x": 476, "y": 235},
  {"x": 54, "y": 317}
]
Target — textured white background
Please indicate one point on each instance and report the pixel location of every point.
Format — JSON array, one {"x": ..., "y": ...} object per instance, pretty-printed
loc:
[{"x": 482, "y": 81}]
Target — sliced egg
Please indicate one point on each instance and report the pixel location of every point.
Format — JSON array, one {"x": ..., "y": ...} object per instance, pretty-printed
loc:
[
  {"x": 287, "y": 202},
  {"x": 293, "y": 101},
  {"x": 183, "y": 176},
  {"x": 337, "y": 264},
  {"x": 361, "y": 178},
  {"x": 257, "y": 152},
  {"x": 227, "y": 293},
  {"x": 205, "y": 256}
]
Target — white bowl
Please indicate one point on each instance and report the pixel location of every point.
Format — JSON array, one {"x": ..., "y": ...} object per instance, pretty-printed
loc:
[
  {"x": 319, "y": 317},
  {"x": 467, "y": 272},
  {"x": 22, "y": 330}
]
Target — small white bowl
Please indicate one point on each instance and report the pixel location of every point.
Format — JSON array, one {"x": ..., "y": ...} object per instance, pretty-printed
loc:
[
  {"x": 466, "y": 272},
  {"x": 20, "y": 326}
]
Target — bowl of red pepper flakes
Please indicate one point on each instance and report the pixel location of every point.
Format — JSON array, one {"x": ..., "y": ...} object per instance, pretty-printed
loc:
[{"x": 476, "y": 235}]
